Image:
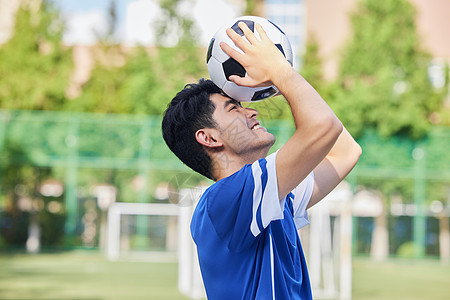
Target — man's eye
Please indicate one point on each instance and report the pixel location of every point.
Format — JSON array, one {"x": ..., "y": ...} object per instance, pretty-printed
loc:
[{"x": 233, "y": 107}]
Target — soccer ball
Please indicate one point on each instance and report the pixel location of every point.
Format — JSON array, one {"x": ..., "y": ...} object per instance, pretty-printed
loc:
[{"x": 221, "y": 66}]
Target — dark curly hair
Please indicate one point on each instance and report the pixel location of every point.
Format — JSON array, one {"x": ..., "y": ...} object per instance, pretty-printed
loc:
[{"x": 190, "y": 110}]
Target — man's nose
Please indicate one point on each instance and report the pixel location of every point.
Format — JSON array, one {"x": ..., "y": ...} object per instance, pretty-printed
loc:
[{"x": 251, "y": 113}]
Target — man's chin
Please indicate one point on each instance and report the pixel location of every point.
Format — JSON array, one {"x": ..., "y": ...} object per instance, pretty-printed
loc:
[
  {"x": 270, "y": 143},
  {"x": 273, "y": 139}
]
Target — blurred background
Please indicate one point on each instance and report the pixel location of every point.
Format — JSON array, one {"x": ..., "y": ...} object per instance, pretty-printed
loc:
[{"x": 93, "y": 205}]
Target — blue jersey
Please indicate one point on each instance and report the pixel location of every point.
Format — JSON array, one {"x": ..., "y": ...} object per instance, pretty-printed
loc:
[{"x": 247, "y": 241}]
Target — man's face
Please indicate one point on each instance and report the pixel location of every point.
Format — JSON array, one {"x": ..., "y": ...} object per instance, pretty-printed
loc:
[{"x": 239, "y": 130}]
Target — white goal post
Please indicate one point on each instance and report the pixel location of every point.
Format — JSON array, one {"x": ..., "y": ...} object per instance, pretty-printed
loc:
[
  {"x": 190, "y": 282},
  {"x": 329, "y": 245},
  {"x": 119, "y": 209}
]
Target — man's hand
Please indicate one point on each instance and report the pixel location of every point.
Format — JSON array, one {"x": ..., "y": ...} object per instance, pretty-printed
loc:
[{"x": 262, "y": 60}]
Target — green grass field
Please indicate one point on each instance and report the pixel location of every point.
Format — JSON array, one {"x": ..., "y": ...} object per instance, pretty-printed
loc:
[
  {"x": 85, "y": 275},
  {"x": 400, "y": 280},
  {"x": 89, "y": 276}
]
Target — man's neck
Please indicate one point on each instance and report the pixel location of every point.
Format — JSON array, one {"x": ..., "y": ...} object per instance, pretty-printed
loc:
[{"x": 226, "y": 164}]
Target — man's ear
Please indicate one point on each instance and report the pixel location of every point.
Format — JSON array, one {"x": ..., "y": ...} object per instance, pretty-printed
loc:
[{"x": 208, "y": 138}]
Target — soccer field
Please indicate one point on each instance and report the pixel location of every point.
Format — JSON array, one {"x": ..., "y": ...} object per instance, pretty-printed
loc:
[
  {"x": 399, "y": 279},
  {"x": 85, "y": 276},
  {"x": 88, "y": 275}
]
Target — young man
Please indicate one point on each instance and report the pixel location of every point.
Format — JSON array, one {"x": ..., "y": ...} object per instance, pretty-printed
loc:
[{"x": 245, "y": 225}]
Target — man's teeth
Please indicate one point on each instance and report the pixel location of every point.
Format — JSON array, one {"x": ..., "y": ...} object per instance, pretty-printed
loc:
[{"x": 256, "y": 127}]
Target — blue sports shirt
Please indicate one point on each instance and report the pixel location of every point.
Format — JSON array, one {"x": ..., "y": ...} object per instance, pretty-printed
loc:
[{"x": 247, "y": 241}]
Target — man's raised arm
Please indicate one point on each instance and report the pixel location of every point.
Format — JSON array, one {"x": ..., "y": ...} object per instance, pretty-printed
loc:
[{"x": 317, "y": 127}]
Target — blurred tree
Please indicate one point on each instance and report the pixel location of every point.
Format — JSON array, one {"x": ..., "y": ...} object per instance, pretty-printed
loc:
[
  {"x": 254, "y": 7},
  {"x": 142, "y": 80},
  {"x": 19, "y": 200},
  {"x": 180, "y": 64},
  {"x": 443, "y": 115},
  {"x": 383, "y": 85},
  {"x": 311, "y": 67},
  {"x": 101, "y": 91},
  {"x": 383, "y": 80},
  {"x": 34, "y": 65},
  {"x": 142, "y": 84},
  {"x": 174, "y": 27}
]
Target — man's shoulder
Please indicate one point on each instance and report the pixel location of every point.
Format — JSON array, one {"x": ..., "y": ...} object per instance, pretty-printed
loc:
[
  {"x": 228, "y": 190},
  {"x": 242, "y": 180},
  {"x": 234, "y": 181}
]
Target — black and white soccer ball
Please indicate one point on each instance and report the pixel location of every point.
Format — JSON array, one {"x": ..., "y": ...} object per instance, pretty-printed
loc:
[{"x": 221, "y": 66}]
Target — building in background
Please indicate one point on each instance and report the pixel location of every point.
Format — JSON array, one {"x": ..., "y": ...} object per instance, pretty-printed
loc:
[
  {"x": 289, "y": 15},
  {"x": 7, "y": 11},
  {"x": 329, "y": 22}
]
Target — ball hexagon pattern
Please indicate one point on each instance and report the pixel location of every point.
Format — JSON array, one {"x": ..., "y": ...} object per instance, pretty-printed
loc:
[{"x": 221, "y": 66}]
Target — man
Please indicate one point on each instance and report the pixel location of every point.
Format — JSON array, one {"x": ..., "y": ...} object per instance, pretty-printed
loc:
[{"x": 245, "y": 225}]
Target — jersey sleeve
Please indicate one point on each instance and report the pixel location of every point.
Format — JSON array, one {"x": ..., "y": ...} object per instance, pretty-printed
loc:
[
  {"x": 241, "y": 206},
  {"x": 302, "y": 194}
]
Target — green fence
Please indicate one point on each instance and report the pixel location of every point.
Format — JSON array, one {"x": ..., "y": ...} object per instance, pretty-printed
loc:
[
  {"x": 417, "y": 171},
  {"x": 68, "y": 143}
]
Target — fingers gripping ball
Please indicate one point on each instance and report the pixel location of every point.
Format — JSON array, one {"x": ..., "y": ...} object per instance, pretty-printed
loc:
[{"x": 221, "y": 66}]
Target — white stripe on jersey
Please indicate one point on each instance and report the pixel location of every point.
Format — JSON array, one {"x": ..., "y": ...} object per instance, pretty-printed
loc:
[
  {"x": 256, "y": 170},
  {"x": 272, "y": 267},
  {"x": 271, "y": 207}
]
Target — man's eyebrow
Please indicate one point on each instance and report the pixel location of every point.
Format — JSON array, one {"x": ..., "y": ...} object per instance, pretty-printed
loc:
[{"x": 230, "y": 101}]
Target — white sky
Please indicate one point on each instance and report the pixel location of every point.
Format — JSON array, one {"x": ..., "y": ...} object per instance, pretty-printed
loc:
[{"x": 86, "y": 19}]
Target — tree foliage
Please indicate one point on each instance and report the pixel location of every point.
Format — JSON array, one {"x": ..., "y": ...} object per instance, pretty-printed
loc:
[
  {"x": 149, "y": 78},
  {"x": 34, "y": 66},
  {"x": 183, "y": 63},
  {"x": 382, "y": 91},
  {"x": 312, "y": 64},
  {"x": 383, "y": 81},
  {"x": 253, "y": 7}
]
